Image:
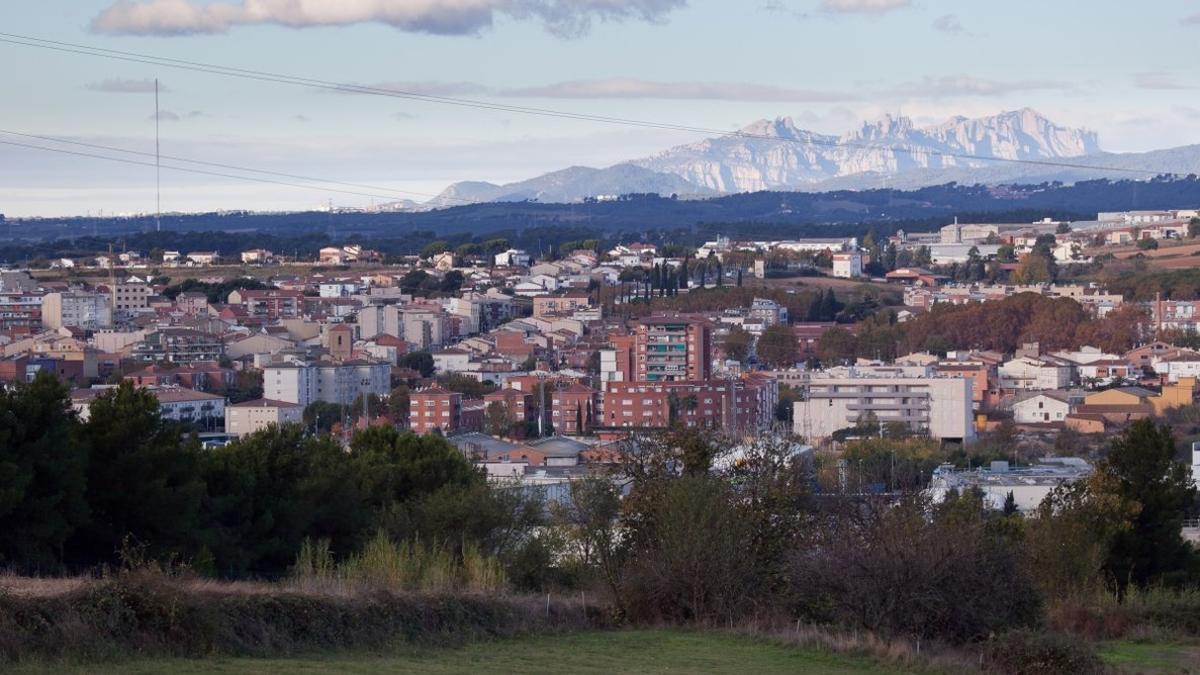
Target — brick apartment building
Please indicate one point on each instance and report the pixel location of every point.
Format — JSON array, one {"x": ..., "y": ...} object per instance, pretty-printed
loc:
[
  {"x": 672, "y": 349},
  {"x": 573, "y": 409},
  {"x": 435, "y": 408},
  {"x": 518, "y": 404}
]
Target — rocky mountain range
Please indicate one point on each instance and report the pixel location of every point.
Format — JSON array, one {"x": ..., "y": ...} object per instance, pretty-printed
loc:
[{"x": 889, "y": 152}]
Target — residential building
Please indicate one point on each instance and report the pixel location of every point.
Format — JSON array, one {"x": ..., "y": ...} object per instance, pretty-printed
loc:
[
  {"x": 271, "y": 304},
  {"x": 848, "y": 265},
  {"x": 342, "y": 383},
  {"x": 1047, "y": 407},
  {"x": 77, "y": 309},
  {"x": 670, "y": 349},
  {"x": 247, "y": 418},
  {"x": 435, "y": 409},
  {"x": 20, "y": 311},
  {"x": 940, "y": 407},
  {"x": 179, "y": 345}
]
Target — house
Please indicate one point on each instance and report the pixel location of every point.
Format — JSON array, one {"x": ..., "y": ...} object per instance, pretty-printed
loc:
[
  {"x": 257, "y": 256},
  {"x": 202, "y": 257},
  {"x": 451, "y": 361},
  {"x": 1181, "y": 364},
  {"x": 1043, "y": 408}
]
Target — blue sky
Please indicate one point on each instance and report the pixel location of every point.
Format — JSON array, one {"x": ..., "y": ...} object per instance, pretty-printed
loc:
[{"x": 1124, "y": 69}]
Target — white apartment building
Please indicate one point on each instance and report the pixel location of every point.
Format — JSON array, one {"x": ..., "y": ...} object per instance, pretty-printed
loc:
[
  {"x": 940, "y": 407},
  {"x": 246, "y": 418},
  {"x": 303, "y": 383},
  {"x": 77, "y": 309}
]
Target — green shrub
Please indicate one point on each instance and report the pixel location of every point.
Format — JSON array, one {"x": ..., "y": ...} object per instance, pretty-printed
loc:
[{"x": 1026, "y": 652}]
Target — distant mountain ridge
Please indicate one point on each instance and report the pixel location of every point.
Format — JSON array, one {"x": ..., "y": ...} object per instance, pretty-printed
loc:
[{"x": 889, "y": 152}]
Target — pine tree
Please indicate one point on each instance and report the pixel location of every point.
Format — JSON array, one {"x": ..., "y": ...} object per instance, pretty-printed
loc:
[
  {"x": 1010, "y": 504},
  {"x": 739, "y": 278}
]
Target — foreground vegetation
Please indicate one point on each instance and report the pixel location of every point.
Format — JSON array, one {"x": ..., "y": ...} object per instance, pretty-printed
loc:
[
  {"x": 649, "y": 651},
  {"x": 398, "y": 540}
]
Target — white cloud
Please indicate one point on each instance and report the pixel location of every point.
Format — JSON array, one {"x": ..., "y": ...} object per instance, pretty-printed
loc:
[
  {"x": 632, "y": 88},
  {"x": 123, "y": 86},
  {"x": 1159, "y": 80},
  {"x": 948, "y": 23},
  {"x": 441, "y": 17},
  {"x": 967, "y": 85},
  {"x": 864, "y": 6}
]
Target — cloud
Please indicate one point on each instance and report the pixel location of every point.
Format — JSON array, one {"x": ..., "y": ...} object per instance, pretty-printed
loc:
[
  {"x": 1159, "y": 80},
  {"x": 864, "y": 6},
  {"x": 123, "y": 86},
  {"x": 966, "y": 85},
  {"x": 1191, "y": 20},
  {"x": 439, "y": 17},
  {"x": 403, "y": 116},
  {"x": 948, "y": 23},
  {"x": 632, "y": 88},
  {"x": 171, "y": 116}
]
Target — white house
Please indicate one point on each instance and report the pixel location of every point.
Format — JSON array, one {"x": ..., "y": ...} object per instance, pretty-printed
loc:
[
  {"x": 1175, "y": 366},
  {"x": 1029, "y": 373},
  {"x": 451, "y": 361},
  {"x": 1041, "y": 409}
]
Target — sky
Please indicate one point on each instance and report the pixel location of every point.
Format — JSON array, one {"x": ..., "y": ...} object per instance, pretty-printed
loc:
[{"x": 1120, "y": 68}]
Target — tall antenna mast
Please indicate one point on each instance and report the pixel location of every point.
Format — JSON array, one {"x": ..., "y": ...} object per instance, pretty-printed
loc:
[{"x": 157, "y": 164}]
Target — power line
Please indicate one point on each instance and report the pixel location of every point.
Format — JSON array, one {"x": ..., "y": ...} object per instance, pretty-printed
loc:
[
  {"x": 219, "y": 165},
  {"x": 259, "y": 75},
  {"x": 187, "y": 170}
]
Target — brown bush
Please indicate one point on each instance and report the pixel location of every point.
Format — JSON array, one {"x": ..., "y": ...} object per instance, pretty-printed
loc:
[{"x": 152, "y": 615}]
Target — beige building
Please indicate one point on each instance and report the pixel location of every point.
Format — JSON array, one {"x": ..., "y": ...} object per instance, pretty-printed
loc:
[{"x": 246, "y": 418}]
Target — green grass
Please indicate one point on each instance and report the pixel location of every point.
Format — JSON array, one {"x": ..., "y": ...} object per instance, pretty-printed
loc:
[
  {"x": 647, "y": 651},
  {"x": 1151, "y": 657}
]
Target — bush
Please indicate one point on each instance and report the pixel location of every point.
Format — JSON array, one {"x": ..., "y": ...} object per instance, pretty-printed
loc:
[
  {"x": 909, "y": 570},
  {"x": 1024, "y": 652},
  {"x": 150, "y": 615}
]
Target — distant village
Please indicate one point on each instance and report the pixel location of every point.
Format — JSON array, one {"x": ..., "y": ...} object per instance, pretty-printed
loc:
[{"x": 537, "y": 368}]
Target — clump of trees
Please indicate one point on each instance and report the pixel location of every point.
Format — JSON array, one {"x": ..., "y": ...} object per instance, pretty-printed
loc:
[{"x": 75, "y": 494}]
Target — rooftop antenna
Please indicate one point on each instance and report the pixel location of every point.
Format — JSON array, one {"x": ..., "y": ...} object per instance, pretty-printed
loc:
[{"x": 157, "y": 163}]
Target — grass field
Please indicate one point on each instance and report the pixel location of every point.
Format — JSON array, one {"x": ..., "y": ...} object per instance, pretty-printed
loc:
[
  {"x": 1139, "y": 657},
  {"x": 647, "y": 651}
]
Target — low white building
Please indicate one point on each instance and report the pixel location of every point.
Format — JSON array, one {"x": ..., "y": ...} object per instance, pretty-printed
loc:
[
  {"x": 1029, "y": 373},
  {"x": 1028, "y": 485},
  {"x": 246, "y": 418},
  {"x": 1044, "y": 408}
]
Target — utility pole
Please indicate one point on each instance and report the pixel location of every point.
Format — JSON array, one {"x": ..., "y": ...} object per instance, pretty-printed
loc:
[{"x": 157, "y": 163}]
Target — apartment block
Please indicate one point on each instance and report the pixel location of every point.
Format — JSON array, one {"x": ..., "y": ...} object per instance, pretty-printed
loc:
[
  {"x": 941, "y": 407},
  {"x": 669, "y": 349},
  {"x": 435, "y": 409},
  {"x": 340, "y": 383},
  {"x": 77, "y": 309}
]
